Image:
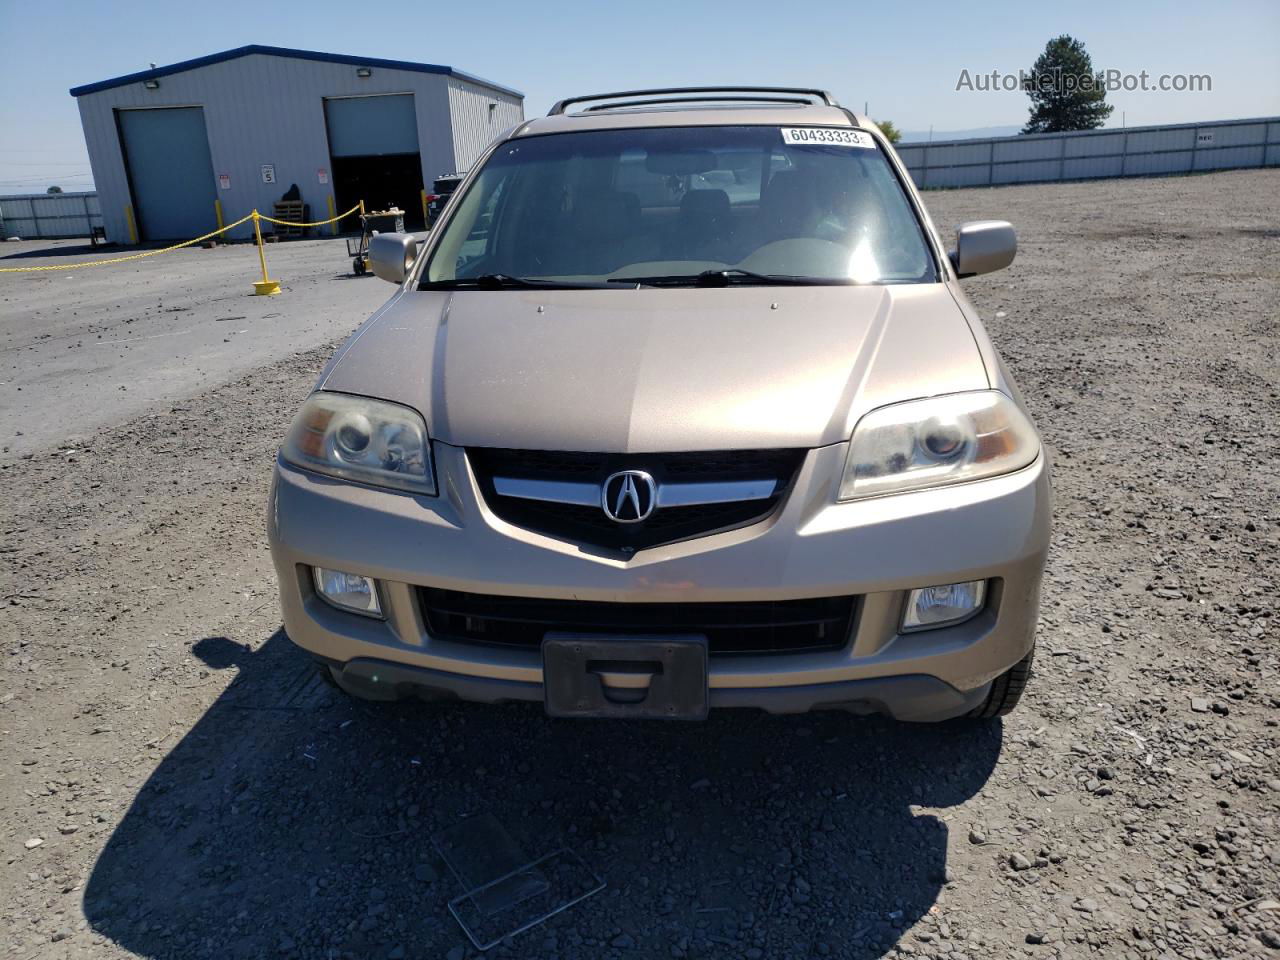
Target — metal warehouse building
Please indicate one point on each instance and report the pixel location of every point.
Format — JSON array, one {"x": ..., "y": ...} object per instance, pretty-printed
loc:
[{"x": 178, "y": 150}]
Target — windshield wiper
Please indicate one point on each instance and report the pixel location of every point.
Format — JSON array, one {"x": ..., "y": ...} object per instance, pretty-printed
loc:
[
  {"x": 730, "y": 276},
  {"x": 500, "y": 281}
]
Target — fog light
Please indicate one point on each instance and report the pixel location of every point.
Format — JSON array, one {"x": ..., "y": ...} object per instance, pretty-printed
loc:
[
  {"x": 348, "y": 591},
  {"x": 943, "y": 605}
]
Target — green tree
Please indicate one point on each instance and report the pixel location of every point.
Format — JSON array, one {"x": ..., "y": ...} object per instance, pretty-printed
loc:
[
  {"x": 891, "y": 133},
  {"x": 54, "y": 189},
  {"x": 1065, "y": 92}
]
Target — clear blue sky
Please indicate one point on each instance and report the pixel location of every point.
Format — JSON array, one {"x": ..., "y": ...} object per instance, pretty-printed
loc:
[{"x": 902, "y": 58}]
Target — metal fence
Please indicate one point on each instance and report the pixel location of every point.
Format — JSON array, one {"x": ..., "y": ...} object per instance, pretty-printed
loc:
[
  {"x": 1095, "y": 154},
  {"x": 49, "y": 215}
]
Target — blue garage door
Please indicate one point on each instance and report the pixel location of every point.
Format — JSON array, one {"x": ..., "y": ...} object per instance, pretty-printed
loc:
[
  {"x": 170, "y": 172},
  {"x": 372, "y": 126}
]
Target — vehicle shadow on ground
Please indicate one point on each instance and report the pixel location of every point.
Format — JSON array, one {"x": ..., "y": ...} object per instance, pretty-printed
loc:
[{"x": 292, "y": 821}]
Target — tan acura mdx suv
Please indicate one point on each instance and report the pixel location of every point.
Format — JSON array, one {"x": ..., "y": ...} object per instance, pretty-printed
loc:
[{"x": 680, "y": 405}]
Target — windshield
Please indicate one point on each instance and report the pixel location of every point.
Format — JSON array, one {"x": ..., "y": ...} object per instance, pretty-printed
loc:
[{"x": 666, "y": 203}]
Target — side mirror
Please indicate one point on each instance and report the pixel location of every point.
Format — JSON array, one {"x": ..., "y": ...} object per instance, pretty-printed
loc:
[
  {"x": 391, "y": 255},
  {"x": 983, "y": 246}
]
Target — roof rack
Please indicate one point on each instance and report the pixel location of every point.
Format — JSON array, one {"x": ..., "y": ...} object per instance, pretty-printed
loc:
[
  {"x": 652, "y": 101},
  {"x": 698, "y": 94}
]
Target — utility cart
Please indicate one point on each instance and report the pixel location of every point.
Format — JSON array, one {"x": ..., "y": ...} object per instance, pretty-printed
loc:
[{"x": 375, "y": 221}]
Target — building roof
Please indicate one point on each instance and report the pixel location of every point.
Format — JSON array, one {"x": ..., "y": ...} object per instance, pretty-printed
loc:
[{"x": 255, "y": 48}]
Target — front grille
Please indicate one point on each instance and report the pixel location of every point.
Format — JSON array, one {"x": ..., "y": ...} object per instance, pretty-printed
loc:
[
  {"x": 589, "y": 526},
  {"x": 782, "y": 626}
]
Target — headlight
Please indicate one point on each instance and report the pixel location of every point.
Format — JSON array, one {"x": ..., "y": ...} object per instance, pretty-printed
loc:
[
  {"x": 939, "y": 441},
  {"x": 356, "y": 438}
]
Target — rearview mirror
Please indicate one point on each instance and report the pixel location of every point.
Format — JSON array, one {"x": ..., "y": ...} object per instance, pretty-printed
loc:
[
  {"x": 680, "y": 163},
  {"x": 391, "y": 255},
  {"x": 983, "y": 246}
]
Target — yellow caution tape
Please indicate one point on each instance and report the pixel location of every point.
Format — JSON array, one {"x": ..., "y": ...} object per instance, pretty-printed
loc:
[
  {"x": 255, "y": 215},
  {"x": 313, "y": 223},
  {"x": 136, "y": 256}
]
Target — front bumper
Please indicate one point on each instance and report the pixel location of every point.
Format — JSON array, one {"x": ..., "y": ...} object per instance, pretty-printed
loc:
[{"x": 810, "y": 547}]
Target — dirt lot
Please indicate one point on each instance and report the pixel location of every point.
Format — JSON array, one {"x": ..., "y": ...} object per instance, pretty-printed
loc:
[
  {"x": 175, "y": 783},
  {"x": 81, "y": 349}
]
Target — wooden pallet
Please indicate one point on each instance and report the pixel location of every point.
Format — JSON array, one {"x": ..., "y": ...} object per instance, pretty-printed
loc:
[{"x": 295, "y": 211}]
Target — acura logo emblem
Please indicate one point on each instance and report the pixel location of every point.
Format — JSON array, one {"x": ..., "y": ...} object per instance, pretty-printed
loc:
[{"x": 629, "y": 496}]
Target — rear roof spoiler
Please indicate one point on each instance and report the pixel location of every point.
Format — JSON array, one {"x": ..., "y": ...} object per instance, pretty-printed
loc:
[{"x": 700, "y": 95}]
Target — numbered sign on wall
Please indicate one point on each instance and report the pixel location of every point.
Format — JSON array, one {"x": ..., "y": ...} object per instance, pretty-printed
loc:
[{"x": 268, "y": 173}]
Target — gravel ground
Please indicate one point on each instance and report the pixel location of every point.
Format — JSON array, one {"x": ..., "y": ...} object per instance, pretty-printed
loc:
[
  {"x": 174, "y": 781},
  {"x": 81, "y": 349}
]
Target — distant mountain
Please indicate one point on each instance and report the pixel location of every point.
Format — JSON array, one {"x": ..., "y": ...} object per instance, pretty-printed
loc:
[{"x": 977, "y": 133}]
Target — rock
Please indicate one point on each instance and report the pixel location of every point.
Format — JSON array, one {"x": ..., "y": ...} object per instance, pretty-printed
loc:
[
  {"x": 1038, "y": 938},
  {"x": 1270, "y": 938},
  {"x": 623, "y": 941},
  {"x": 33, "y": 843},
  {"x": 425, "y": 873},
  {"x": 1085, "y": 905},
  {"x": 977, "y": 837},
  {"x": 700, "y": 784},
  {"x": 396, "y": 953},
  {"x": 1200, "y": 704},
  {"x": 61, "y": 935},
  {"x": 456, "y": 953},
  {"x": 1019, "y": 862}
]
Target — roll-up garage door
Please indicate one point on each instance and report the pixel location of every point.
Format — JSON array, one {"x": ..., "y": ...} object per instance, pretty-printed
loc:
[
  {"x": 373, "y": 147},
  {"x": 372, "y": 126},
  {"x": 170, "y": 173}
]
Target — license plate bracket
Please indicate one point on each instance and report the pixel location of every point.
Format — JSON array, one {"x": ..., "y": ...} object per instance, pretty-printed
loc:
[{"x": 589, "y": 675}]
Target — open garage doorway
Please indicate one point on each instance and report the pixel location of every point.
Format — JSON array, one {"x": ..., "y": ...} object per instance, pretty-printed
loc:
[{"x": 373, "y": 147}]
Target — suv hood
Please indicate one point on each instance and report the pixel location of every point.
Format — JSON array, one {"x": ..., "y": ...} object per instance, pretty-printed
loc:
[{"x": 658, "y": 370}]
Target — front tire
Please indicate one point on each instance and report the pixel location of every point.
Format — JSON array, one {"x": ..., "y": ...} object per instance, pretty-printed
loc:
[{"x": 1006, "y": 690}]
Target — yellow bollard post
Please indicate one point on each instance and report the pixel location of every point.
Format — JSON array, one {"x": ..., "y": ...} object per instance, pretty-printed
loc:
[
  {"x": 133, "y": 227},
  {"x": 264, "y": 287},
  {"x": 217, "y": 212},
  {"x": 332, "y": 213},
  {"x": 424, "y": 206}
]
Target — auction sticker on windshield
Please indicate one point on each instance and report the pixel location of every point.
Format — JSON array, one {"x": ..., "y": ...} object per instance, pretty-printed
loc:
[{"x": 823, "y": 136}]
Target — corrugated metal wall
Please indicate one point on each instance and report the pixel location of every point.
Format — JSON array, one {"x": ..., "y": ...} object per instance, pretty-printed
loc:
[
  {"x": 49, "y": 215},
  {"x": 262, "y": 109},
  {"x": 1095, "y": 154},
  {"x": 474, "y": 125}
]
